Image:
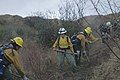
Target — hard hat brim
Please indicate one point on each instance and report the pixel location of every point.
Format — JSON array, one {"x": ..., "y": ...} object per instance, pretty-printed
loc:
[{"x": 62, "y": 32}]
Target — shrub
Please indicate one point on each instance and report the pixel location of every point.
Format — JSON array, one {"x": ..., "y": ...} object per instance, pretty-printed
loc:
[{"x": 20, "y": 31}]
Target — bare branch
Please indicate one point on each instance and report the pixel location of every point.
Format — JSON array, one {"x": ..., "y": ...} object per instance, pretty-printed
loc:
[
  {"x": 111, "y": 8},
  {"x": 96, "y": 8}
]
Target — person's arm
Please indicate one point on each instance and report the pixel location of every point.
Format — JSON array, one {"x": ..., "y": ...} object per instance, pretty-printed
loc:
[
  {"x": 13, "y": 57},
  {"x": 18, "y": 66},
  {"x": 83, "y": 40},
  {"x": 55, "y": 44}
]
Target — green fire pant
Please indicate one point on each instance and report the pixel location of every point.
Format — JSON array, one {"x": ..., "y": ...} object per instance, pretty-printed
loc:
[
  {"x": 69, "y": 58},
  {"x": 7, "y": 74}
]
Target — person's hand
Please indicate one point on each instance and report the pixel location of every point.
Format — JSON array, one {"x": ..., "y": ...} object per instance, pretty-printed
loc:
[
  {"x": 72, "y": 51},
  {"x": 54, "y": 49},
  {"x": 1, "y": 60},
  {"x": 75, "y": 53},
  {"x": 25, "y": 78},
  {"x": 89, "y": 42},
  {"x": 84, "y": 52}
]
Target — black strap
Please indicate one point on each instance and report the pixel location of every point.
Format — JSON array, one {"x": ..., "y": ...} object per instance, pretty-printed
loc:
[{"x": 59, "y": 40}]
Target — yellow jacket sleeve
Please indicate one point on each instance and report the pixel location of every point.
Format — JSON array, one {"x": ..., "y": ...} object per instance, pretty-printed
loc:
[
  {"x": 55, "y": 44},
  {"x": 92, "y": 37},
  {"x": 83, "y": 40},
  {"x": 13, "y": 57}
]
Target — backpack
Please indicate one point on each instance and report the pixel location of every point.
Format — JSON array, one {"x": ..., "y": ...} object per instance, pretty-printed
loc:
[
  {"x": 103, "y": 28},
  {"x": 76, "y": 43},
  {"x": 3, "y": 61}
]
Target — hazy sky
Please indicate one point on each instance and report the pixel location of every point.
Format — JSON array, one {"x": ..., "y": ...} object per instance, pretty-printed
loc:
[{"x": 25, "y": 7}]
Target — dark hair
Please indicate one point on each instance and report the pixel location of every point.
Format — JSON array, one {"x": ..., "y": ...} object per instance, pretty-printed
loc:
[{"x": 14, "y": 45}]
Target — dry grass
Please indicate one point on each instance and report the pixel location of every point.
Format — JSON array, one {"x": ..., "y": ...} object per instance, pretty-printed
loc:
[{"x": 37, "y": 61}]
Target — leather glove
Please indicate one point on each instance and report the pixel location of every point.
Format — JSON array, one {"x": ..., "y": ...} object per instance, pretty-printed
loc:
[
  {"x": 75, "y": 53},
  {"x": 1, "y": 60},
  {"x": 89, "y": 42},
  {"x": 25, "y": 78},
  {"x": 84, "y": 52}
]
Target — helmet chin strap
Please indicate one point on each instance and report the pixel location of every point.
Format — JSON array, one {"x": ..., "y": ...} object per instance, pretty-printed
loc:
[
  {"x": 62, "y": 35},
  {"x": 15, "y": 46}
]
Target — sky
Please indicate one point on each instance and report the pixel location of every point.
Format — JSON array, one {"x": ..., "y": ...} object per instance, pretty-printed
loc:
[{"x": 27, "y": 7}]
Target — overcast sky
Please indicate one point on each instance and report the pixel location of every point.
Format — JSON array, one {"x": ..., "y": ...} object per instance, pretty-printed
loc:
[{"x": 25, "y": 7}]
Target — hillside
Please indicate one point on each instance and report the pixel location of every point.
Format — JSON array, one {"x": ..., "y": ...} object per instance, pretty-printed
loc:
[{"x": 40, "y": 61}]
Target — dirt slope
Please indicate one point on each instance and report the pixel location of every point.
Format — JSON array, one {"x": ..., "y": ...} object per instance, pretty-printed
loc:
[{"x": 103, "y": 65}]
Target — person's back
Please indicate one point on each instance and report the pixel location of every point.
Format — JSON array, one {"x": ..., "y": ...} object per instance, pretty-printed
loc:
[
  {"x": 83, "y": 46},
  {"x": 103, "y": 28},
  {"x": 76, "y": 43},
  {"x": 82, "y": 40},
  {"x": 12, "y": 57}
]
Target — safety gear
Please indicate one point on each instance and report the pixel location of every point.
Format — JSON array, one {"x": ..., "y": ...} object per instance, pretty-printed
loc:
[
  {"x": 118, "y": 20},
  {"x": 63, "y": 43},
  {"x": 14, "y": 59},
  {"x": 77, "y": 57},
  {"x": 61, "y": 59},
  {"x": 108, "y": 24},
  {"x": 3, "y": 62},
  {"x": 88, "y": 30},
  {"x": 18, "y": 41},
  {"x": 9, "y": 56},
  {"x": 62, "y": 31},
  {"x": 84, "y": 52},
  {"x": 82, "y": 39},
  {"x": 25, "y": 78},
  {"x": 81, "y": 33},
  {"x": 76, "y": 43},
  {"x": 92, "y": 37},
  {"x": 90, "y": 42}
]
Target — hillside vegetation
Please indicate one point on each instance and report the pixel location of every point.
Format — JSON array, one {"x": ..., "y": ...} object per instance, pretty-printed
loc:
[{"x": 39, "y": 35}]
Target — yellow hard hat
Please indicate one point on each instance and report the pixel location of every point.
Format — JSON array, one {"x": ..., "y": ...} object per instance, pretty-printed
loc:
[
  {"x": 88, "y": 30},
  {"x": 18, "y": 41}
]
